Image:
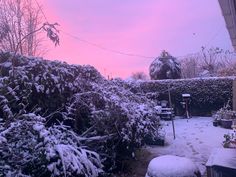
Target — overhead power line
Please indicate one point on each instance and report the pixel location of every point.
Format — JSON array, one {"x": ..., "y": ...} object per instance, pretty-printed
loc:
[
  {"x": 40, "y": 8},
  {"x": 105, "y": 48},
  {"x": 117, "y": 51}
]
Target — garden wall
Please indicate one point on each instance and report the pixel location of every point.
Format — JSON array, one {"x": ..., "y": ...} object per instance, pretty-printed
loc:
[{"x": 207, "y": 94}]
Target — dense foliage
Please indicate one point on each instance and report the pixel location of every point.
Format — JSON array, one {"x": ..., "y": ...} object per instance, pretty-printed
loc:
[
  {"x": 30, "y": 148},
  {"x": 224, "y": 113},
  {"x": 59, "y": 119},
  {"x": 207, "y": 94}
]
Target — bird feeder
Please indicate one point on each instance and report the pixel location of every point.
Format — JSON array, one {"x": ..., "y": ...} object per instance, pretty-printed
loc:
[{"x": 186, "y": 102}]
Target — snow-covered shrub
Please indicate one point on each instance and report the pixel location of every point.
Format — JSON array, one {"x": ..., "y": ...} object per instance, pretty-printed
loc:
[
  {"x": 207, "y": 94},
  {"x": 116, "y": 115},
  {"x": 28, "y": 148},
  {"x": 109, "y": 118},
  {"x": 224, "y": 113},
  {"x": 47, "y": 85},
  {"x": 229, "y": 140},
  {"x": 165, "y": 67}
]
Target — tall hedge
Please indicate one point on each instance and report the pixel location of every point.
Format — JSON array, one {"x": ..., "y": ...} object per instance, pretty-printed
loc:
[{"x": 207, "y": 94}]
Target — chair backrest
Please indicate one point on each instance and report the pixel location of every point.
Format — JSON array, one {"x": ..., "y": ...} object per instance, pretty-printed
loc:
[{"x": 164, "y": 103}]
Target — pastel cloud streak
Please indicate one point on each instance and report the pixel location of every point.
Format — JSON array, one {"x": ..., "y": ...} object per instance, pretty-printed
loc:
[{"x": 134, "y": 26}]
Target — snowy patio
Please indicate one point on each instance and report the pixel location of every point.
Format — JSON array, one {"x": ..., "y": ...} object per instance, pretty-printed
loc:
[{"x": 195, "y": 139}]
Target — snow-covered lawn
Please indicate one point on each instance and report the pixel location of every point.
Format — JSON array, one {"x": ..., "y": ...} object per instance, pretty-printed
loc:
[{"x": 195, "y": 139}]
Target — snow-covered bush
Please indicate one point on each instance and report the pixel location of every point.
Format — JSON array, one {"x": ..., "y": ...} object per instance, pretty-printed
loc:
[
  {"x": 45, "y": 85},
  {"x": 229, "y": 140},
  {"x": 28, "y": 148},
  {"x": 109, "y": 118},
  {"x": 224, "y": 113},
  {"x": 165, "y": 67},
  {"x": 115, "y": 111}
]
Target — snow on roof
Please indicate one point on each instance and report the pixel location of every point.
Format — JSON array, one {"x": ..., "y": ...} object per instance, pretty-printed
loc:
[
  {"x": 222, "y": 157},
  {"x": 185, "y": 95}
]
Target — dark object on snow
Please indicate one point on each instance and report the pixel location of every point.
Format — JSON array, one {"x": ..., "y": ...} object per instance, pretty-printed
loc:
[
  {"x": 226, "y": 123},
  {"x": 157, "y": 141},
  {"x": 215, "y": 123},
  {"x": 219, "y": 122},
  {"x": 165, "y": 67}
]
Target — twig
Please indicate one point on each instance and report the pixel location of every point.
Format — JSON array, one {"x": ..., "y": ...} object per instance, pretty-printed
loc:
[{"x": 89, "y": 129}]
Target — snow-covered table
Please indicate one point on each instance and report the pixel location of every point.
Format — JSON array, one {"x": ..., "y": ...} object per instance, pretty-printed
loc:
[
  {"x": 172, "y": 166},
  {"x": 222, "y": 162}
]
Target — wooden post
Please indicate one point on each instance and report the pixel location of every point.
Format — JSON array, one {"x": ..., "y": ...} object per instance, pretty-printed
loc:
[
  {"x": 172, "y": 120},
  {"x": 234, "y": 94}
]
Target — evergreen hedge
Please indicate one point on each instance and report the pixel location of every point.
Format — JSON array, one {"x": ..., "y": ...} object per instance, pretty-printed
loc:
[{"x": 207, "y": 94}]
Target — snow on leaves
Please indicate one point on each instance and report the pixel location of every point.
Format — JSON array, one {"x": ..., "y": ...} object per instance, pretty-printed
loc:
[
  {"x": 68, "y": 120},
  {"x": 29, "y": 148}
]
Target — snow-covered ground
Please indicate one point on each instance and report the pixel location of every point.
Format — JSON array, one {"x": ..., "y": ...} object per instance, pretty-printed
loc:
[{"x": 195, "y": 139}]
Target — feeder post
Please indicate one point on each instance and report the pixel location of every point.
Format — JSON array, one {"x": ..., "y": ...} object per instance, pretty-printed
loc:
[{"x": 172, "y": 120}]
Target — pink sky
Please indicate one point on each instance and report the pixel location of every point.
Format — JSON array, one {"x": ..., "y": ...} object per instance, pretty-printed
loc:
[{"x": 144, "y": 27}]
